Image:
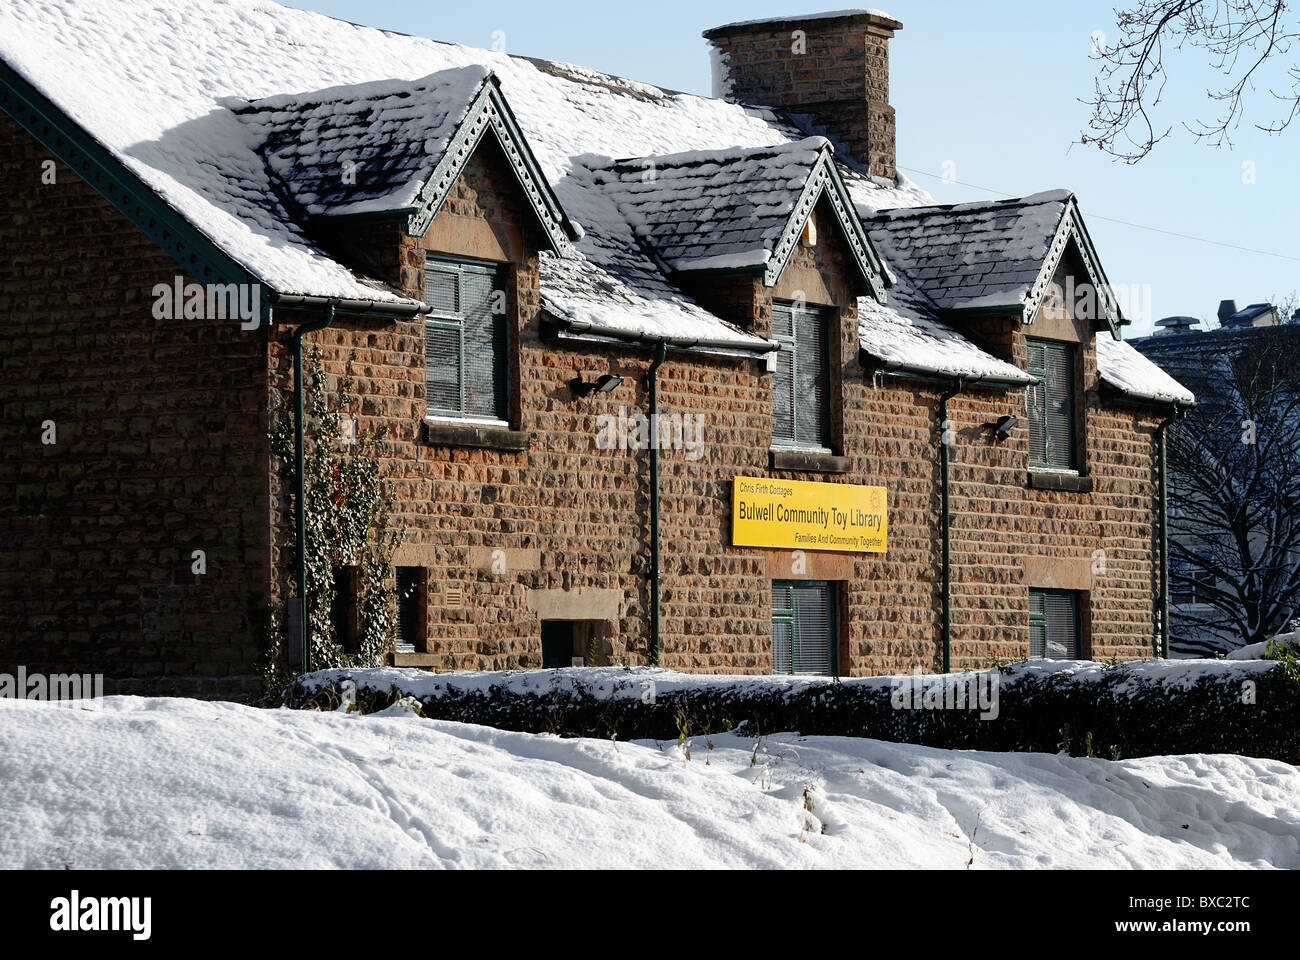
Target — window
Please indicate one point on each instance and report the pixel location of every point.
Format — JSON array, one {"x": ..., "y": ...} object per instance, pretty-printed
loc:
[
  {"x": 465, "y": 340},
  {"x": 803, "y": 629},
  {"x": 801, "y": 381},
  {"x": 410, "y": 609},
  {"x": 1192, "y": 582},
  {"x": 570, "y": 643},
  {"x": 1051, "y": 406},
  {"x": 1054, "y": 624}
]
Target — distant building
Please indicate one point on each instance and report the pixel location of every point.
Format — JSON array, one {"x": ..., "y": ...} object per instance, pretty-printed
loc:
[
  {"x": 1255, "y": 315},
  {"x": 1196, "y": 357}
]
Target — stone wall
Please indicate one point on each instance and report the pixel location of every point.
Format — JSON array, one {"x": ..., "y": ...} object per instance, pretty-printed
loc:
[
  {"x": 570, "y": 520},
  {"x": 162, "y": 450},
  {"x": 159, "y": 430}
]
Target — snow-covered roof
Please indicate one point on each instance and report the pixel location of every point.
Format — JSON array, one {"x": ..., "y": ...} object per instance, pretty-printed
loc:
[
  {"x": 1120, "y": 365},
  {"x": 362, "y": 148},
  {"x": 973, "y": 255},
  {"x": 907, "y": 336},
  {"x": 734, "y": 209},
  {"x": 234, "y": 112}
]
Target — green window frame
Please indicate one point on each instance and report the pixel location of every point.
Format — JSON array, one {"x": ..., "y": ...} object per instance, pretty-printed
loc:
[
  {"x": 1052, "y": 440},
  {"x": 1054, "y": 624},
  {"x": 801, "y": 394},
  {"x": 465, "y": 339},
  {"x": 805, "y": 629}
]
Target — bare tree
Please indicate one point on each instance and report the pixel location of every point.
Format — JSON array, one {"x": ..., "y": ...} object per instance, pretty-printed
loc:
[
  {"x": 1241, "y": 40},
  {"x": 1235, "y": 495}
]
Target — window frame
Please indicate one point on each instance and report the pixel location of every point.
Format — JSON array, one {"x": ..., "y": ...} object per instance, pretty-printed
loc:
[
  {"x": 789, "y": 615},
  {"x": 789, "y": 345},
  {"x": 501, "y": 280},
  {"x": 1076, "y": 599},
  {"x": 1070, "y": 352}
]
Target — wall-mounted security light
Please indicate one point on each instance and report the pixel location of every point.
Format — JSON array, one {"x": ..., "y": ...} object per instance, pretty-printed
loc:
[
  {"x": 606, "y": 384},
  {"x": 1004, "y": 427}
]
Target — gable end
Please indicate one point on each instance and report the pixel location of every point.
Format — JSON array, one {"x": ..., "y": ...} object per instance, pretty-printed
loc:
[
  {"x": 490, "y": 112},
  {"x": 1072, "y": 231},
  {"x": 825, "y": 180}
]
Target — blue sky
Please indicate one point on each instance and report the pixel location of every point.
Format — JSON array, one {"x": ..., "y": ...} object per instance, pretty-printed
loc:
[{"x": 988, "y": 92}]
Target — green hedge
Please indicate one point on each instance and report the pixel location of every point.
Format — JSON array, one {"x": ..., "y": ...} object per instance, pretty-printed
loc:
[{"x": 1129, "y": 710}]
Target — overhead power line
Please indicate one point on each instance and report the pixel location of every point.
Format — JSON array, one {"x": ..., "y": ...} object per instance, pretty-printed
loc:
[{"x": 1125, "y": 223}]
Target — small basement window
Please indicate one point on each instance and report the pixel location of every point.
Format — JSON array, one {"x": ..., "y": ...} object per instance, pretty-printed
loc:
[
  {"x": 572, "y": 643},
  {"x": 801, "y": 395},
  {"x": 1054, "y": 632},
  {"x": 804, "y": 631},
  {"x": 465, "y": 339},
  {"x": 1052, "y": 443}
]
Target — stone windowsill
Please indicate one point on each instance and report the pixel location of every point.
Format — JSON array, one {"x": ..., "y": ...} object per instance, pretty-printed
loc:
[
  {"x": 808, "y": 461},
  {"x": 417, "y": 659},
  {"x": 1061, "y": 481},
  {"x": 484, "y": 436}
]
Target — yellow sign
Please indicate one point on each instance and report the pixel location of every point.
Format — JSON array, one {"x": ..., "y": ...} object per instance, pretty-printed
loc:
[{"x": 794, "y": 515}]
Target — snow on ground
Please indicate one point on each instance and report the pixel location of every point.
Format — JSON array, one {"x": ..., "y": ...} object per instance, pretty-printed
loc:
[{"x": 132, "y": 782}]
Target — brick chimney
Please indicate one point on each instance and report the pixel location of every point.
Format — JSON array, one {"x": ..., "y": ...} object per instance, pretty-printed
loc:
[{"x": 832, "y": 67}]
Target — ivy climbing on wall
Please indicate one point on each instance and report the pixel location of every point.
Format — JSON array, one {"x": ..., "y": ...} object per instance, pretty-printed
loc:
[{"x": 348, "y": 524}]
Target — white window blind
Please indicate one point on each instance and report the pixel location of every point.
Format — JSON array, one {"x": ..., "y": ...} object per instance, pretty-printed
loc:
[
  {"x": 465, "y": 340},
  {"x": 803, "y": 629},
  {"x": 801, "y": 381},
  {"x": 1054, "y": 624}
]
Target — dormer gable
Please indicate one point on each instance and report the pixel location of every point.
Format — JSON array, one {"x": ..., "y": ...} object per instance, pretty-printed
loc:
[
  {"x": 996, "y": 258},
  {"x": 391, "y": 151},
  {"x": 740, "y": 211}
]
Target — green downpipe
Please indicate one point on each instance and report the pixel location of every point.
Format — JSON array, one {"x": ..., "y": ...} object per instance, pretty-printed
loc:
[
  {"x": 946, "y": 526},
  {"x": 299, "y": 458},
  {"x": 1163, "y": 600},
  {"x": 652, "y": 375}
]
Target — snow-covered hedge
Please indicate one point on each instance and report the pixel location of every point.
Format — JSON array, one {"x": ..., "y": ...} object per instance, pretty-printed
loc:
[{"x": 1142, "y": 708}]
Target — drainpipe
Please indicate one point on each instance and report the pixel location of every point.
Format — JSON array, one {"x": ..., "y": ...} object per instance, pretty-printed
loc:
[
  {"x": 1162, "y": 602},
  {"x": 652, "y": 375},
  {"x": 301, "y": 518},
  {"x": 946, "y": 525}
]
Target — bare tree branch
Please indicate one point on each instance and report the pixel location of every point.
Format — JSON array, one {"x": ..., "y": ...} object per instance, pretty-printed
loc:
[
  {"x": 1239, "y": 39},
  {"x": 1235, "y": 497}
]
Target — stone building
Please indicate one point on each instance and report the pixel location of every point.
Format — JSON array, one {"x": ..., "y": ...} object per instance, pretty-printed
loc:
[{"x": 891, "y": 435}]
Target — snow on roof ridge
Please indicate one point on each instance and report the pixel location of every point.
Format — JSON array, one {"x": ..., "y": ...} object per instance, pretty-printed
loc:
[
  {"x": 688, "y": 157},
  {"x": 977, "y": 206},
  {"x": 475, "y": 74},
  {"x": 799, "y": 18}
]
